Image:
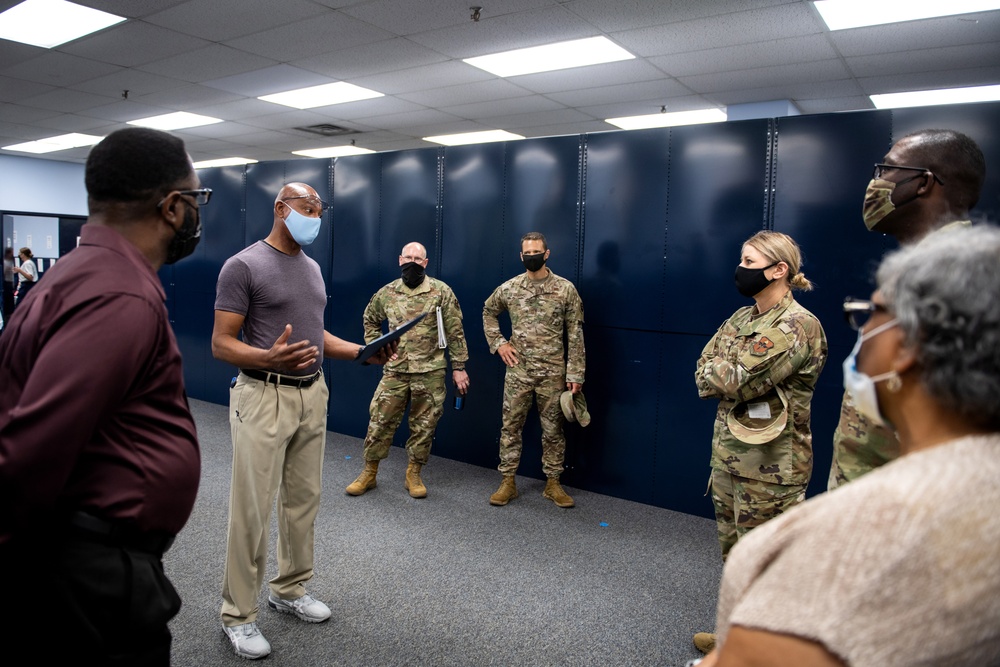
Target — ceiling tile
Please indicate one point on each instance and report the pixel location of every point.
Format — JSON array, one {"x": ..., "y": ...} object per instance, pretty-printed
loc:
[
  {"x": 66, "y": 100},
  {"x": 58, "y": 69},
  {"x": 636, "y": 94},
  {"x": 327, "y": 32},
  {"x": 132, "y": 43},
  {"x": 925, "y": 60},
  {"x": 506, "y": 32},
  {"x": 269, "y": 80},
  {"x": 788, "y": 51},
  {"x": 926, "y": 34},
  {"x": 609, "y": 17},
  {"x": 757, "y": 25},
  {"x": 488, "y": 110},
  {"x": 438, "y": 75},
  {"x": 469, "y": 93},
  {"x": 222, "y": 20},
  {"x": 212, "y": 62},
  {"x": 368, "y": 59},
  {"x": 593, "y": 76},
  {"x": 823, "y": 70}
]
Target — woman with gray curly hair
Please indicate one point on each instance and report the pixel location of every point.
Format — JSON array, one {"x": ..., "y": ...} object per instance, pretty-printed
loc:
[{"x": 901, "y": 567}]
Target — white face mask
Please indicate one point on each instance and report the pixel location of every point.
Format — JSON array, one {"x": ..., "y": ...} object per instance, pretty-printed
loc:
[
  {"x": 861, "y": 387},
  {"x": 304, "y": 230}
]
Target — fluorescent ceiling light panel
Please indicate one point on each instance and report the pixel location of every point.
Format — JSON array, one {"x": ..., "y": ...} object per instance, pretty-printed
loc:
[
  {"x": 175, "y": 121},
  {"x": 223, "y": 162},
  {"x": 926, "y": 98},
  {"x": 473, "y": 137},
  {"x": 669, "y": 119},
  {"x": 333, "y": 151},
  {"x": 575, "y": 53},
  {"x": 322, "y": 96},
  {"x": 844, "y": 14},
  {"x": 52, "y": 144},
  {"x": 49, "y": 23}
]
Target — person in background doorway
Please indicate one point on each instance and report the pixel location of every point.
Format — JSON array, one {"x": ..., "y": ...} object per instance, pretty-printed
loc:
[
  {"x": 929, "y": 180},
  {"x": 762, "y": 366},
  {"x": 27, "y": 274},
  {"x": 544, "y": 309},
  {"x": 99, "y": 458},
  {"x": 417, "y": 376}
]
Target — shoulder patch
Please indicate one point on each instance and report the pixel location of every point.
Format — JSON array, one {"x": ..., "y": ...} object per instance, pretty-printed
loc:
[{"x": 759, "y": 347}]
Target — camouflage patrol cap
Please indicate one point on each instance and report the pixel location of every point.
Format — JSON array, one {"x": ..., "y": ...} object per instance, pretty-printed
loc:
[
  {"x": 759, "y": 430},
  {"x": 574, "y": 407}
]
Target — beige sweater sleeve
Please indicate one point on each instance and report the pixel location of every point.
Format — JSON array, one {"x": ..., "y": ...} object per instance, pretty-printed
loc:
[{"x": 901, "y": 567}]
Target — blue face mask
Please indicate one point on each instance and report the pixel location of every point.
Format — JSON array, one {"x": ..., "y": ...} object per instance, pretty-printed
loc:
[
  {"x": 861, "y": 387},
  {"x": 304, "y": 230}
]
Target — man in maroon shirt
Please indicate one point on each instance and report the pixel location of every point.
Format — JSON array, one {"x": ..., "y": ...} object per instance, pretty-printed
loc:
[{"x": 99, "y": 459}]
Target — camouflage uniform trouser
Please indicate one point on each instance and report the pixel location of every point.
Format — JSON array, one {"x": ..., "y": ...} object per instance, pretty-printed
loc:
[
  {"x": 425, "y": 392},
  {"x": 742, "y": 504},
  {"x": 518, "y": 390}
]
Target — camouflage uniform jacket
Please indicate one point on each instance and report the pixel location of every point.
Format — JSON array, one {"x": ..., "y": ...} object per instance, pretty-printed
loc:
[
  {"x": 859, "y": 446},
  {"x": 418, "y": 348},
  {"x": 746, "y": 359},
  {"x": 540, "y": 311}
]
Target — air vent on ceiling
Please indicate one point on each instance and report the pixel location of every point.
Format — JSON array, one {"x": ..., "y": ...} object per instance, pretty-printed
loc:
[{"x": 326, "y": 129}]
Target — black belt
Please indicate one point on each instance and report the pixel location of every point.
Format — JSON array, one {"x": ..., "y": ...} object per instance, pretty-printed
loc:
[
  {"x": 106, "y": 532},
  {"x": 285, "y": 380}
]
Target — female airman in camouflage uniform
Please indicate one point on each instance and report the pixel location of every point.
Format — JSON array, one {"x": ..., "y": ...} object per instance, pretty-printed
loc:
[{"x": 762, "y": 364}]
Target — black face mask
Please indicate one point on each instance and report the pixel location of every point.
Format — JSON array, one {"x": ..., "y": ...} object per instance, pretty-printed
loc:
[
  {"x": 752, "y": 281},
  {"x": 413, "y": 274},
  {"x": 533, "y": 262},
  {"x": 187, "y": 237}
]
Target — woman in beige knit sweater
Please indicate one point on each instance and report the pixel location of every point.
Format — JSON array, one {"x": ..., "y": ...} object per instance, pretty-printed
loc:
[{"x": 900, "y": 567}]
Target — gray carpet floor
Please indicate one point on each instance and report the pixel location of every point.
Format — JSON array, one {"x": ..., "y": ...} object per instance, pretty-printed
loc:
[{"x": 452, "y": 580}]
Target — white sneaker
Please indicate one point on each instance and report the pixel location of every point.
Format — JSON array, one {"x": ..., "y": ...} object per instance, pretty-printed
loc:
[
  {"x": 306, "y": 608},
  {"x": 247, "y": 641}
]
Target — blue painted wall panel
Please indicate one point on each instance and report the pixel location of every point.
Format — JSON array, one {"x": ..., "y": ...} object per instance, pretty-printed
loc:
[
  {"x": 542, "y": 192},
  {"x": 625, "y": 227},
  {"x": 357, "y": 261},
  {"x": 471, "y": 262},
  {"x": 716, "y": 200}
]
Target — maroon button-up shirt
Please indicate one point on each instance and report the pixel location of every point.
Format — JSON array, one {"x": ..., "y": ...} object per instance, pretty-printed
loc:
[{"x": 93, "y": 414}]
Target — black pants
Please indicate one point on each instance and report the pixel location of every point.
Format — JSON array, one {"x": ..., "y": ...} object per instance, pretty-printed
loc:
[{"x": 82, "y": 600}]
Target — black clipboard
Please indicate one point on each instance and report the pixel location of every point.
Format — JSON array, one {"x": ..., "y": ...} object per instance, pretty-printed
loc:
[{"x": 371, "y": 348}]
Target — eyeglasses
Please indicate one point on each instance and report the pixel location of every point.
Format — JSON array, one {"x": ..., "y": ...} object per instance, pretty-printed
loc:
[
  {"x": 411, "y": 258},
  {"x": 858, "y": 311},
  {"x": 201, "y": 196},
  {"x": 880, "y": 169},
  {"x": 314, "y": 202}
]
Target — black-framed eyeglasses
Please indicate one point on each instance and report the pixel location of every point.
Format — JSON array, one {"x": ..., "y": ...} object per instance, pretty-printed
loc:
[
  {"x": 315, "y": 202},
  {"x": 201, "y": 196},
  {"x": 880, "y": 169},
  {"x": 858, "y": 311}
]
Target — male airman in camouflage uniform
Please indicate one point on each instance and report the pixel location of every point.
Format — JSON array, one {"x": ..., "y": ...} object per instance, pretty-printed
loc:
[
  {"x": 763, "y": 369},
  {"x": 927, "y": 181},
  {"x": 417, "y": 375},
  {"x": 542, "y": 307}
]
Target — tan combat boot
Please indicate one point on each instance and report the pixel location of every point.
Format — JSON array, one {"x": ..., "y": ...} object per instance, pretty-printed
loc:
[
  {"x": 705, "y": 642},
  {"x": 413, "y": 483},
  {"x": 365, "y": 481},
  {"x": 554, "y": 492},
  {"x": 506, "y": 492}
]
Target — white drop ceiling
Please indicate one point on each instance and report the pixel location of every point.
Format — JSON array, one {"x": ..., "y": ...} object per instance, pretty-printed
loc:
[{"x": 214, "y": 57}]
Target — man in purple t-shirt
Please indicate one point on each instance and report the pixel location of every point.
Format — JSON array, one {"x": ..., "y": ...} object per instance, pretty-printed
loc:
[{"x": 273, "y": 293}]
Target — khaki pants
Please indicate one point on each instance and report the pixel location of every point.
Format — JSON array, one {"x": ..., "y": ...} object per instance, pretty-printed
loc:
[
  {"x": 279, "y": 434},
  {"x": 742, "y": 504}
]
